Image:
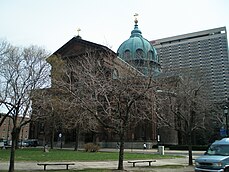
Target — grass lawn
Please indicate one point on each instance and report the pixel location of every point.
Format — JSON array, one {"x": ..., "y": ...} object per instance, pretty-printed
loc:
[{"x": 37, "y": 154}]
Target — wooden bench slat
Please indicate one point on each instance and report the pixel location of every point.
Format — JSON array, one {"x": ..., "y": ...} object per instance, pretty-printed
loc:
[
  {"x": 55, "y": 163},
  {"x": 59, "y": 163},
  {"x": 141, "y": 161}
]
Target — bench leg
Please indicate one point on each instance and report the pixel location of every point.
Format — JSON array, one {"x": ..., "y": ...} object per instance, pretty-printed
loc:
[
  {"x": 67, "y": 166},
  {"x": 133, "y": 164},
  {"x": 44, "y": 167},
  {"x": 149, "y": 163}
]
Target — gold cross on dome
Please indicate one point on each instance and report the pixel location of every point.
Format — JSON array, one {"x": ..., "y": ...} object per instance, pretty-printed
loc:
[
  {"x": 78, "y": 30},
  {"x": 136, "y": 20},
  {"x": 135, "y": 15}
]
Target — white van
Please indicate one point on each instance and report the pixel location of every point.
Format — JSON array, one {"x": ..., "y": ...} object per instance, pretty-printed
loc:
[{"x": 215, "y": 159}]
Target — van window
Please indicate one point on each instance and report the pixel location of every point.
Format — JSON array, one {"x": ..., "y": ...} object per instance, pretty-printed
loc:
[{"x": 218, "y": 150}]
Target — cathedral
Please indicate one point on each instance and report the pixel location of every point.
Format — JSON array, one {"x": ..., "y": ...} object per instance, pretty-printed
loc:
[{"x": 136, "y": 55}]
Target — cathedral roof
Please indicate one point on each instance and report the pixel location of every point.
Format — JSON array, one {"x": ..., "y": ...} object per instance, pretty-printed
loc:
[{"x": 77, "y": 46}]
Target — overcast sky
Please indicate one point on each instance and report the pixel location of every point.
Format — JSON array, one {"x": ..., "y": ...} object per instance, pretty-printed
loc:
[{"x": 51, "y": 23}]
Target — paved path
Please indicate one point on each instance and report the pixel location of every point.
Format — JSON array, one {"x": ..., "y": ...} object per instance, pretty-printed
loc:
[
  {"x": 30, "y": 166},
  {"x": 155, "y": 151},
  {"x": 107, "y": 164},
  {"x": 103, "y": 164}
]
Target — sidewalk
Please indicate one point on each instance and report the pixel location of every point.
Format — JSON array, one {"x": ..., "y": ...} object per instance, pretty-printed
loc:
[
  {"x": 31, "y": 166},
  {"x": 155, "y": 151}
]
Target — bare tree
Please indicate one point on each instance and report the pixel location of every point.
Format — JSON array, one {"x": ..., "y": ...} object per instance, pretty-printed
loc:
[
  {"x": 57, "y": 106},
  {"x": 57, "y": 112},
  {"x": 117, "y": 99},
  {"x": 4, "y": 49},
  {"x": 183, "y": 106},
  {"x": 22, "y": 71},
  {"x": 47, "y": 111},
  {"x": 217, "y": 121}
]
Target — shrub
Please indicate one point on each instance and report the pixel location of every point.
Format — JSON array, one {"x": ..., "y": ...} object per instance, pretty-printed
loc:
[{"x": 90, "y": 147}]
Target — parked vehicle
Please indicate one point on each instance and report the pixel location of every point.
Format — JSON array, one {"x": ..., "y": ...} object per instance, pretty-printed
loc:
[
  {"x": 215, "y": 159},
  {"x": 32, "y": 142},
  {"x": 5, "y": 143},
  {"x": 2, "y": 144},
  {"x": 28, "y": 143},
  {"x": 23, "y": 143}
]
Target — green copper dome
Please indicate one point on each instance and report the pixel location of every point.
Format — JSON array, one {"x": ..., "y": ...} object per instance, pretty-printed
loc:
[{"x": 138, "y": 52}]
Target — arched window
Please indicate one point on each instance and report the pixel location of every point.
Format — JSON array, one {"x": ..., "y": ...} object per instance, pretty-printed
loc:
[
  {"x": 150, "y": 55},
  {"x": 127, "y": 54},
  {"x": 139, "y": 54}
]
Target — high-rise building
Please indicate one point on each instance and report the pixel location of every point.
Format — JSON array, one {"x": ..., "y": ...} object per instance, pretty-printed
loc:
[{"x": 204, "y": 52}]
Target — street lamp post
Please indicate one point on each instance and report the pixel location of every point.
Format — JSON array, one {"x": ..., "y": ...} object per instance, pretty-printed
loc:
[
  {"x": 60, "y": 136},
  {"x": 226, "y": 115}
]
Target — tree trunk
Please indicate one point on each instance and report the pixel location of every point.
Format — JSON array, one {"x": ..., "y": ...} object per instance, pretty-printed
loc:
[
  {"x": 190, "y": 162},
  {"x": 44, "y": 142},
  {"x": 12, "y": 152},
  {"x": 121, "y": 152},
  {"x": 77, "y": 139},
  {"x": 52, "y": 138},
  {"x": 52, "y": 132},
  {"x": 17, "y": 132},
  {"x": 12, "y": 155}
]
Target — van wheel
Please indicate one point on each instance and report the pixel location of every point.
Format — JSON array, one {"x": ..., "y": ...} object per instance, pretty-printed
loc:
[{"x": 226, "y": 169}]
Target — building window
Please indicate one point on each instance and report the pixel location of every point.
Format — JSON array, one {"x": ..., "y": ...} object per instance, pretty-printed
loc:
[
  {"x": 139, "y": 54},
  {"x": 127, "y": 54},
  {"x": 150, "y": 55}
]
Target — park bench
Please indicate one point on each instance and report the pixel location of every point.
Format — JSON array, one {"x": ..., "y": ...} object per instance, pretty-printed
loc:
[
  {"x": 141, "y": 161},
  {"x": 56, "y": 163}
]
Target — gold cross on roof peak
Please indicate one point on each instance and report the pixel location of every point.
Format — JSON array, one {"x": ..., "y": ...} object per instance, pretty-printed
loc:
[
  {"x": 136, "y": 14},
  {"x": 78, "y": 30},
  {"x": 136, "y": 19}
]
